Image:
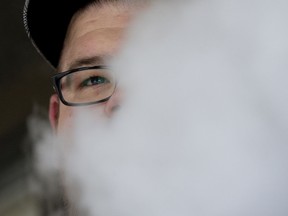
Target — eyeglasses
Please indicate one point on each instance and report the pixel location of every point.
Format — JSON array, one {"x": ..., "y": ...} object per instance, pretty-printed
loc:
[{"x": 84, "y": 86}]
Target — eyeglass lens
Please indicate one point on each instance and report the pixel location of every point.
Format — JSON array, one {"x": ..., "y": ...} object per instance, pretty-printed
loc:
[{"x": 87, "y": 86}]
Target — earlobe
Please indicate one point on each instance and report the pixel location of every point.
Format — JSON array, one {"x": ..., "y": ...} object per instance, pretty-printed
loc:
[{"x": 54, "y": 111}]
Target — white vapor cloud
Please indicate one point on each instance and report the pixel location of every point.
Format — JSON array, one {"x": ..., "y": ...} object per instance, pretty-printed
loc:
[{"x": 203, "y": 127}]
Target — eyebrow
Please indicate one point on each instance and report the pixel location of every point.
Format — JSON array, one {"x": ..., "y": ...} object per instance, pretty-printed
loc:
[{"x": 87, "y": 61}]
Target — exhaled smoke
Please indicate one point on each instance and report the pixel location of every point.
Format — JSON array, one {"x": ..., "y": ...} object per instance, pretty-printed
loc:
[{"x": 203, "y": 127}]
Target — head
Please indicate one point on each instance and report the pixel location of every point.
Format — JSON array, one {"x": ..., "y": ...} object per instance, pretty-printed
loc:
[{"x": 94, "y": 36}]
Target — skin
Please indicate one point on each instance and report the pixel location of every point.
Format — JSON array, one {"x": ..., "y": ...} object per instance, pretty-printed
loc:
[{"x": 94, "y": 35}]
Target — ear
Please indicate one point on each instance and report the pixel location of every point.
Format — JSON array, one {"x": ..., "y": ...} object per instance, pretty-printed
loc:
[{"x": 54, "y": 111}]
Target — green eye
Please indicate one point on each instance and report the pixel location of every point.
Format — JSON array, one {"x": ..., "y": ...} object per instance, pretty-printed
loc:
[{"x": 95, "y": 80}]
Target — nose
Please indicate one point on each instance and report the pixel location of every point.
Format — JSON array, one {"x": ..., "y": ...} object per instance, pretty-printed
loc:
[{"x": 113, "y": 104}]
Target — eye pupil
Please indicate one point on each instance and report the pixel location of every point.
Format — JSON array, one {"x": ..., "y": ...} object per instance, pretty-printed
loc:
[{"x": 97, "y": 80}]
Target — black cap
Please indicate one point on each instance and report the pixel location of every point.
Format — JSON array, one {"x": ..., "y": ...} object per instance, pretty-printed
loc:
[{"x": 46, "y": 23}]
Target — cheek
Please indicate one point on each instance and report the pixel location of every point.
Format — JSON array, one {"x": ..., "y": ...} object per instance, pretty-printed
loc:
[
  {"x": 65, "y": 118},
  {"x": 67, "y": 115}
]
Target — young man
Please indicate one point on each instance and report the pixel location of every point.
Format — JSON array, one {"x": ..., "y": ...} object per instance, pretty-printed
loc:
[{"x": 77, "y": 38}]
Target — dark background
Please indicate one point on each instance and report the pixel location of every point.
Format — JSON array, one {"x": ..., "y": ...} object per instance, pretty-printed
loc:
[{"x": 24, "y": 84}]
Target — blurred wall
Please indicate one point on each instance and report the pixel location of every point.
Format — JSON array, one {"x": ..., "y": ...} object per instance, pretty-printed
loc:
[{"x": 24, "y": 83}]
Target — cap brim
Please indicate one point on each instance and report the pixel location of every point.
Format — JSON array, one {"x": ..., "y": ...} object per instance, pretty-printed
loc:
[{"x": 46, "y": 23}]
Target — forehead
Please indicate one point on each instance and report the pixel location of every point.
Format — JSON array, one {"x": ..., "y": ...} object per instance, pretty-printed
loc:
[{"x": 95, "y": 32}]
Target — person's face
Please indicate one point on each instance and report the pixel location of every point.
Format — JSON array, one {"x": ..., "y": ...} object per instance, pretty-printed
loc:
[{"x": 93, "y": 37}]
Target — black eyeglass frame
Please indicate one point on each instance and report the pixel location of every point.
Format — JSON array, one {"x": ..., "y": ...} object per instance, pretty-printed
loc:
[{"x": 56, "y": 85}]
